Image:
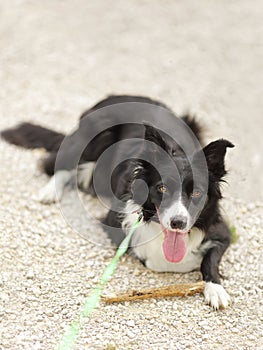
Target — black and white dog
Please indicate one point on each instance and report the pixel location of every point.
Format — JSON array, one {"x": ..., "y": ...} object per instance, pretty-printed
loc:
[{"x": 126, "y": 141}]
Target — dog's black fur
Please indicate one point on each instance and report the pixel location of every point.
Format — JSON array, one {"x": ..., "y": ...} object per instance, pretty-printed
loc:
[{"x": 209, "y": 220}]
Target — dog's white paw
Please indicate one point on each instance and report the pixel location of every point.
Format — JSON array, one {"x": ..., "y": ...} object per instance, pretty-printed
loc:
[
  {"x": 216, "y": 296},
  {"x": 49, "y": 193}
]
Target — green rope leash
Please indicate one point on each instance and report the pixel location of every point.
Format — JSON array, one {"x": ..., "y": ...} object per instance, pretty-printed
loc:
[{"x": 73, "y": 330}]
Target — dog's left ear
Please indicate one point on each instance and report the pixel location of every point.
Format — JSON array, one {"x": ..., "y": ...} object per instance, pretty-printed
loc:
[
  {"x": 152, "y": 134},
  {"x": 215, "y": 156}
]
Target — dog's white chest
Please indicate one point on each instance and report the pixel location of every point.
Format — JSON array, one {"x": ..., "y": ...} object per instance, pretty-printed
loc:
[{"x": 147, "y": 245}]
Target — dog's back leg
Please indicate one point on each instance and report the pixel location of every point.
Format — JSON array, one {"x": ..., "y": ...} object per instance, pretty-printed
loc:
[
  {"x": 66, "y": 164},
  {"x": 53, "y": 191}
]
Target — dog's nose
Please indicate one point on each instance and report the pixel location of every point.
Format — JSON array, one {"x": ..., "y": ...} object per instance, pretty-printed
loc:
[{"x": 178, "y": 222}]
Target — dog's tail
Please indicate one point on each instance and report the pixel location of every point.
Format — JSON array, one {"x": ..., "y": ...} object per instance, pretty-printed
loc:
[
  {"x": 28, "y": 135},
  {"x": 195, "y": 126}
]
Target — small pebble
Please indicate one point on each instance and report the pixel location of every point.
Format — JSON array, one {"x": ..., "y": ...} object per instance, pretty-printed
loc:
[
  {"x": 30, "y": 274},
  {"x": 130, "y": 323},
  {"x": 131, "y": 334},
  {"x": 106, "y": 325},
  {"x": 116, "y": 327}
]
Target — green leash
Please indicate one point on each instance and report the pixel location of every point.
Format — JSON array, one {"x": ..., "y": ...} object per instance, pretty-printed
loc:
[{"x": 73, "y": 330}]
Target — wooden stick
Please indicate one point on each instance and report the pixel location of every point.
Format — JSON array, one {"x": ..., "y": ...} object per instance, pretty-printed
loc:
[{"x": 179, "y": 290}]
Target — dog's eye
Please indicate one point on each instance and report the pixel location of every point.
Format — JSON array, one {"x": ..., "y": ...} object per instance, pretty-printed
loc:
[
  {"x": 162, "y": 188},
  {"x": 136, "y": 171},
  {"x": 196, "y": 194}
]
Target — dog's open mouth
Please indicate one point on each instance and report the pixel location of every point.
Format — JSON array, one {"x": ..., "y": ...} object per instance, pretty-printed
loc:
[{"x": 174, "y": 245}]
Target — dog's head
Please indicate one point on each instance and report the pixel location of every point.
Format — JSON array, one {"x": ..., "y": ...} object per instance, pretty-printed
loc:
[{"x": 182, "y": 191}]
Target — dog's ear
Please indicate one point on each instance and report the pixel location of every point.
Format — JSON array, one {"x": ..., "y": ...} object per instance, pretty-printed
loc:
[
  {"x": 152, "y": 134},
  {"x": 215, "y": 156}
]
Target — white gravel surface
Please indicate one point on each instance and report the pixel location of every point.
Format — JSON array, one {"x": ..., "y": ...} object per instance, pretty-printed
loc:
[{"x": 59, "y": 57}]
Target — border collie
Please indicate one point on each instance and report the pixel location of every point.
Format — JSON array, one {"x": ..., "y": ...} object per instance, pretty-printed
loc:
[{"x": 136, "y": 152}]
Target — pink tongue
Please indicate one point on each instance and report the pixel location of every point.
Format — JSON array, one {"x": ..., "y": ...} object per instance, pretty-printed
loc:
[{"x": 174, "y": 246}]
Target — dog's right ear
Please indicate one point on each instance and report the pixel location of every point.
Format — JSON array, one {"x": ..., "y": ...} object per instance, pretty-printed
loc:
[
  {"x": 215, "y": 155},
  {"x": 152, "y": 134}
]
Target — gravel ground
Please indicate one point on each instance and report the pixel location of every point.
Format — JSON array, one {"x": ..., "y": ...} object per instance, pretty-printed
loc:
[{"x": 58, "y": 58}]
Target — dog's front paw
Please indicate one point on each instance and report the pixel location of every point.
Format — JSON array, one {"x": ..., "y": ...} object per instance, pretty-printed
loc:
[{"x": 216, "y": 296}]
